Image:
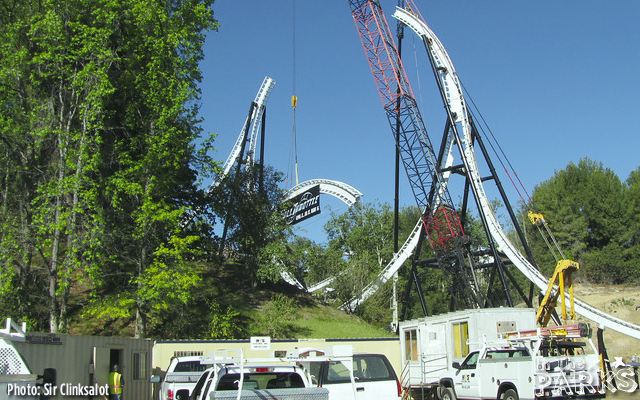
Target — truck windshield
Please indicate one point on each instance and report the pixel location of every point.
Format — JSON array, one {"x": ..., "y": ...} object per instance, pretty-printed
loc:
[{"x": 259, "y": 381}]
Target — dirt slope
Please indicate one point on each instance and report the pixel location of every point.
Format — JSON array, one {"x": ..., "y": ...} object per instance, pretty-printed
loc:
[{"x": 621, "y": 302}]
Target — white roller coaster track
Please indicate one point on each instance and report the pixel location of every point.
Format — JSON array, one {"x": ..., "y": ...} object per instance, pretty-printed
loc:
[
  {"x": 340, "y": 190},
  {"x": 455, "y": 99},
  {"x": 255, "y": 121}
]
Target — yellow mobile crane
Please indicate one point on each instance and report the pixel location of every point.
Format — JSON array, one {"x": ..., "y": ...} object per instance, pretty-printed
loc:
[{"x": 562, "y": 276}]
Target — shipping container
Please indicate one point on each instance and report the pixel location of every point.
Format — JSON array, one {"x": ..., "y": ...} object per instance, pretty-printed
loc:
[{"x": 83, "y": 363}]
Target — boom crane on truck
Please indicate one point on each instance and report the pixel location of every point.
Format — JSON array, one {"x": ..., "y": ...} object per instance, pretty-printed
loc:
[{"x": 561, "y": 279}]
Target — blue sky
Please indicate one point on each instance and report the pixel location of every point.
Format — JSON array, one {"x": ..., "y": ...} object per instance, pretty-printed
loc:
[{"x": 556, "y": 81}]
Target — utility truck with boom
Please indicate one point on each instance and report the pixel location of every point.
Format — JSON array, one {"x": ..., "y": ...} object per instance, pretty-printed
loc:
[{"x": 546, "y": 363}]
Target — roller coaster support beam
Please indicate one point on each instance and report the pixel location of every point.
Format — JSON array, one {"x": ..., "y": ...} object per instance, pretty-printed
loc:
[
  {"x": 242, "y": 144},
  {"x": 507, "y": 204}
]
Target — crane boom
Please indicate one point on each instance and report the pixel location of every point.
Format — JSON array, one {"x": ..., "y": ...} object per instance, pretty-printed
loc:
[
  {"x": 399, "y": 103},
  {"x": 428, "y": 183}
]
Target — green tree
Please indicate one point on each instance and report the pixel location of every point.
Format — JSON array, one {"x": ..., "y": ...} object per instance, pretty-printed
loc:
[
  {"x": 631, "y": 239},
  {"x": 584, "y": 209},
  {"x": 55, "y": 62},
  {"x": 363, "y": 226},
  {"x": 224, "y": 324},
  {"x": 256, "y": 232},
  {"x": 363, "y": 236},
  {"x": 99, "y": 102},
  {"x": 148, "y": 155},
  {"x": 315, "y": 262}
]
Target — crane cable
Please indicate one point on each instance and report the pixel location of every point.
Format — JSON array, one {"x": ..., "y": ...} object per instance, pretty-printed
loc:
[
  {"x": 294, "y": 103},
  {"x": 536, "y": 218}
]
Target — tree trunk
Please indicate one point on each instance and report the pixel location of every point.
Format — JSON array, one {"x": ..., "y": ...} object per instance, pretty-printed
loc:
[
  {"x": 141, "y": 332},
  {"x": 53, "y": 272}
]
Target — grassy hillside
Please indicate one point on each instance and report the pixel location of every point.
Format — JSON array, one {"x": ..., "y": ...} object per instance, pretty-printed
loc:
[
  {"x": 315, "y": 320},
  {"x": 307, "y": 317},
  {"x": 228, "y": 290}
]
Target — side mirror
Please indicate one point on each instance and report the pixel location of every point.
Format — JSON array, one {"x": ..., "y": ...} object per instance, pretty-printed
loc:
[
  {"x": 49, "y": 376},
  {"x": 155, "y": 379},
  {"x": 456, "y": 365}
]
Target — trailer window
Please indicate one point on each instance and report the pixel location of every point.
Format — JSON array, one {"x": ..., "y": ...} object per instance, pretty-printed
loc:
[
  {"x": 460, "y": 338},
  {"x": 140, "y": 366},
  {"x": 411, "y": 345},
  {"x": 187, "y": 353}
]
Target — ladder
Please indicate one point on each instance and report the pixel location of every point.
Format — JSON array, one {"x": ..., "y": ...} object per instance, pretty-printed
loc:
[{"x": 579, "y": 330}]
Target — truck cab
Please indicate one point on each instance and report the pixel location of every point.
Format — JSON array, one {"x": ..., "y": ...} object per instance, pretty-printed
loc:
[
  {"x": 531, "y": 365},
  {"x": 465, "y": 380},
  {"x": 180, "y": 378},
  {"x": 373, "y": 378}
]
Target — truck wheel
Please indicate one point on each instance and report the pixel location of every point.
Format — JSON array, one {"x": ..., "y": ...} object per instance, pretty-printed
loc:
[
  {"x": 510, "y": 395},
  {"x": 447, "y": 394}
]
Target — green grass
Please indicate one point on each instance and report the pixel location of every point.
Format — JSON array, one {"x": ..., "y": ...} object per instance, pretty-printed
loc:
[
  {"x": 327, "y": 322},
  {"x": 314, "y": 320}
]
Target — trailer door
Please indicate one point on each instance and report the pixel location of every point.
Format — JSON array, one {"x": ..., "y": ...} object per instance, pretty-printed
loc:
[
  {"x": 433, "y": 352},
  {"x": 101, "y": 365}
]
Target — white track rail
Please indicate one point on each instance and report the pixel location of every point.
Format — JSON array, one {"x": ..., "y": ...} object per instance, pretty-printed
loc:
[
  {"x": 255, "y": 121},
  {"x": 456, "y": 102},
  {"x": 392, "y": 267},
  {"x": 340, "y": 190}
]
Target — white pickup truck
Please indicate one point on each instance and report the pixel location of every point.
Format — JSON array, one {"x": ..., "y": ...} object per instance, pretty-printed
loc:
[
  {"x": 373, "y": 378},
  {"x": 526, "y": 368},
  {"x": 257, "y": 382},
  {"x": 334, "y": 373},
  {"x": 180, "y": 378},
  {"x": 16, "y": 379}
]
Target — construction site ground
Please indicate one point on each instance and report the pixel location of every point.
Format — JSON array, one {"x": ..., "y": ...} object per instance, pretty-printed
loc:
[{"x": 622, "y": 302}]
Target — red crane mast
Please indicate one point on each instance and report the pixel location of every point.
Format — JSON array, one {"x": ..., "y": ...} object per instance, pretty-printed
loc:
[{"x": 441, "y": 221}]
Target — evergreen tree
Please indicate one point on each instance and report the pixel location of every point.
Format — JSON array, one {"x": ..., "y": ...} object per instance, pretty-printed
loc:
[{"x": 583, "y": 205}]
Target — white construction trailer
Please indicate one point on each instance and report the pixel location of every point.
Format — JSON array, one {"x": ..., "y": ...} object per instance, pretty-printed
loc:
[{"x": 430, "y": 344}]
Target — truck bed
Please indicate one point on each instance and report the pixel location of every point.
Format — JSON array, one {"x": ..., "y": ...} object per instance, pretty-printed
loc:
[{"x": 312, "y": 393}]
